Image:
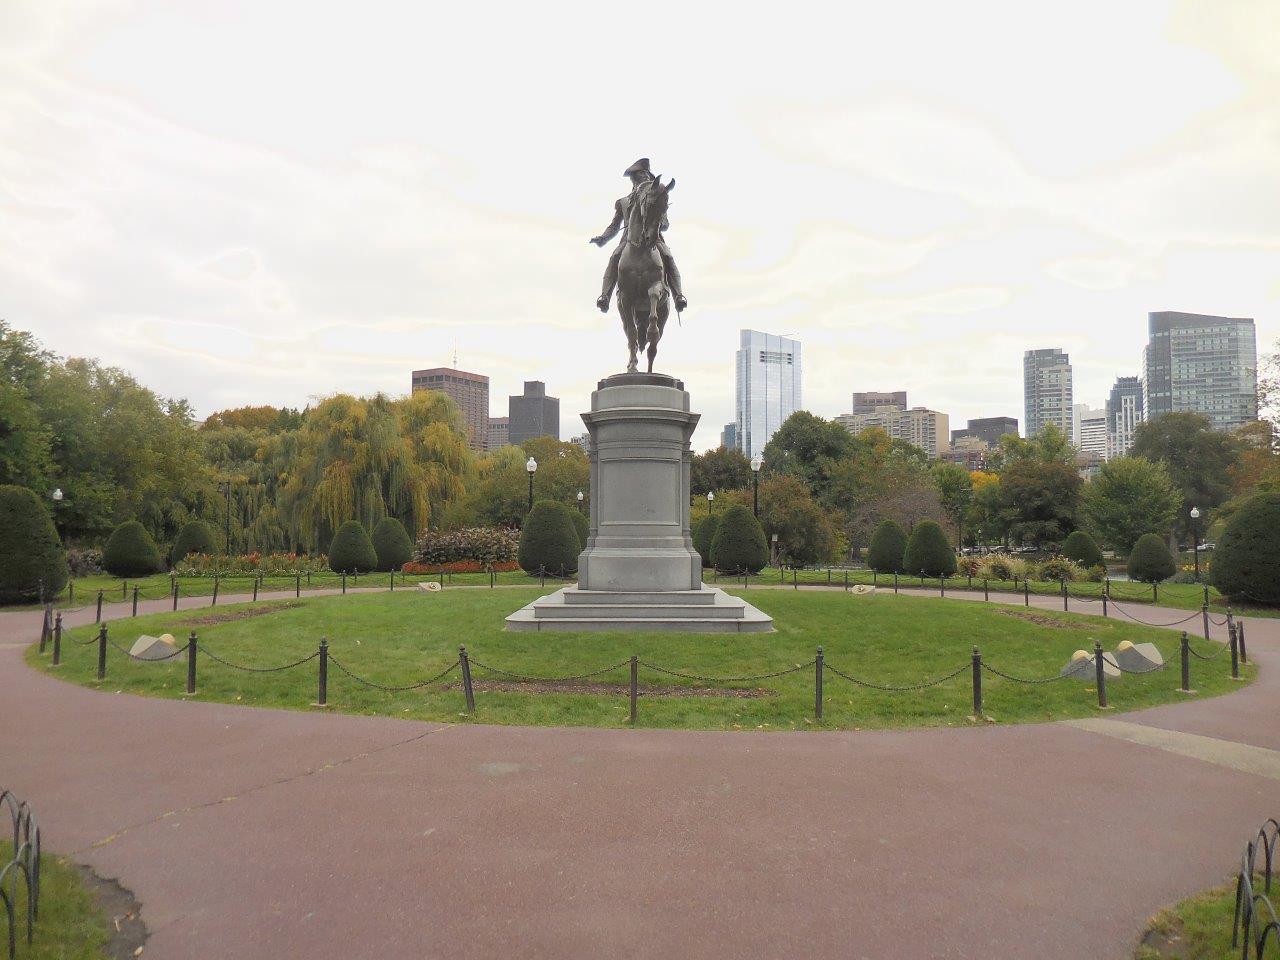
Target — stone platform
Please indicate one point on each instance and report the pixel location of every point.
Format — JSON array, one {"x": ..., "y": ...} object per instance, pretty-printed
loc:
[{"x": 706, "y": 610}]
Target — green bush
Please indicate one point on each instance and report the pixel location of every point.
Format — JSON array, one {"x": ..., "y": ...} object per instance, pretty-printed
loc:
[
  {"x": 1083, "y": 549},
  {"x": 1059, "y": 570},
  {"x": 928, "y": 552},
  {"x": 1246, "y": 561},
  {"x": 391, "y": 544},
  {"x": 352, "y": 550},
  {"x": 549, "y": 540},
  {"x": 888, "y": 545},
  {"x": 196, "y": 536},
  {"x": 739, "y": 542},
  {"x": 582, "y": 525},
  {"x": 30, "y": 550},
  {"x": 484, "y": 546},
  {"x": 1150, "y": 561},
  {"x": 704, "y": 534},
  {"x": 130, "y": 552}
]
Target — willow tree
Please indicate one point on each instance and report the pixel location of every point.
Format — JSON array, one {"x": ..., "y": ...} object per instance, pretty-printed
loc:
[{"x": 367, "y": 458}]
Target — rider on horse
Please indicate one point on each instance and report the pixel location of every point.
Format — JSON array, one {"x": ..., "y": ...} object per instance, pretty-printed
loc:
[{"x": 639, "y": 174}]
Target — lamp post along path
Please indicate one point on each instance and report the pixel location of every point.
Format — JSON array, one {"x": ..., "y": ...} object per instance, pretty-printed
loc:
[
  {"x": 1195, "y": 539},
  {"x": 756, "y": 464},
  {"x": 532, "y": 467}
]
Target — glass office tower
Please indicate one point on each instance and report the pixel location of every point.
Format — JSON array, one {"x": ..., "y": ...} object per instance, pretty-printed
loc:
[{"x": 768, "y": 373}]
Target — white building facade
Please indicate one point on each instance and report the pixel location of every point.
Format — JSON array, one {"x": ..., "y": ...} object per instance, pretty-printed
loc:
[
  {"x": 1089, "y": 428},
  {"x": 768, "y": 376}
]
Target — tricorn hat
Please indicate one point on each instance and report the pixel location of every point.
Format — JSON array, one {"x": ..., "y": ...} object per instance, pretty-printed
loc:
[{"x": 640, "y": 166}]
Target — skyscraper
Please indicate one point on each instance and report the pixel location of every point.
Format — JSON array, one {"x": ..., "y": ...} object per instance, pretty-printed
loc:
[
  {"x": 1046, "y": 390},
  {"x": 1089, "y": 428},
  {"x": 1124, "y": 413},
  {"x": 867, "y": 402},
  {"x": 533, "y": 414},
  {"x": 768, "y": 375},
  {"x": 470, "y": 391},
  {"x": 1201, "y": 364},
  {"x": 729, "y": 436}
]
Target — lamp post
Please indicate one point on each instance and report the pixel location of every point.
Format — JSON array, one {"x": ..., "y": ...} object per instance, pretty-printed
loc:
[
  {"x": 1195, "y": 539},
  {"x": 532, "y": 467},
  {"x": 580, "y": 499},
  {"x": 711, "y": 501},
  {"x": 56, "y": 496},
  {"x": 225, "y": 485},
  {"x": 756, "y": 464}
]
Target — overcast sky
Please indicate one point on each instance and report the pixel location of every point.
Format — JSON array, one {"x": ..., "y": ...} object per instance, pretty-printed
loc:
[{"x": 269, "y": 201}]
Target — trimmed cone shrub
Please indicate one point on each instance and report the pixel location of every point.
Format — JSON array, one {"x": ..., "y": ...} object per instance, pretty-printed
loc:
[
  {"x": 888, "y": 544},
  {"x": 739, "y": 542},
  {"x": 1246, "y": 561},
  {"x": 1083, "y": 549},
  {"x": 196, "y": 536},
  {"x": 582, "y": 525},
  {"x": 130, "y": 552},
  {"x": 928, "y": 552},
  {"x": 1150, "y": 561},
  {"x": 30, "y": 550},
  {"x": 549, "y": 540},
  {"x": 704, "y": 534},
  {"x": 391, "y": 544},
  {"x": 352, "y": 550}
]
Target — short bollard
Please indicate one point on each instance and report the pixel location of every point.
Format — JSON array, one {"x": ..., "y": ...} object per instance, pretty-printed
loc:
[
  {"x": 71, "y": 591},
  {"x": 124, "y": 590},
  {"x": 846, "y": 580},
  {"x": 344, "y": 583},
  {"x": 97, "y": 618},
  {"x": 986, "y": 593},
  {"x": 135, "y": 601},
  {"x": 297, "y": 584},
  {"x": 1026, "y": 592},
  {"x": 322, "y": 677},
  {"x": 745, "y": 576},
  {"x": 875, "y": 578},
  {"x": 817, "y": 685},
  {"x": 1235, "y": 652},
  {"x": 1100, "y": 674},
  {"x": 175, "y": 593},
  {"x": 1204, "y": 616},
  {"x": 57, "y": 640},
  {"x": 216, "y": 583},
  {"x": 1104, "y": 605},
  {"x": 192, "y": 647},
  {"x": 255, "y": 589},
  {"x": 942, "y": 587},
  {"x": 1155, "y": 593},
  {"x": 393, "y": 581},
  {"x": 895, "y": 582},
  {"x": 542, "y": 577},
  {"x": 1186, "y": 663},
  {"x": 308, "y": 579},
  {"x": 1064, "y": 596},
  {"x": 46, "y": 627},
  {"x": 635, "y": 686},
  {"x": 466, "y": 679},
  {"x": 1244, "y": 653},
  {"x": 977, "y": 684},
  {"x": 442, "y": 578},
  {"x": 102, "y": 652}
]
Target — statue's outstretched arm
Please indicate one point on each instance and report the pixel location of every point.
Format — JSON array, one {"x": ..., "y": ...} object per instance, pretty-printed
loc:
[{"x": 612, "y": 229}]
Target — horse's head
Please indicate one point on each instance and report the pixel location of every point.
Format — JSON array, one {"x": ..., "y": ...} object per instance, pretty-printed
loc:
[{"x": 654, "y": 201}]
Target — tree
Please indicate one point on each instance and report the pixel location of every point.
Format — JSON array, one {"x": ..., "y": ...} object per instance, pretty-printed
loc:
[
  {"x": 130, "y": 551},
  {"x": 1039, "y": 498},
  {"x": 391, "y": 544},
  {"x": 955, "y": 490},
  {"x": 31, "y": 555},
  {"x": 739, "y": 542},
  {"x": 808, "y": 447},
  {"x": 499, "y": 495},
  {"x": 888, "y": 545},
  {"x": 1050, "y": 445},
  {"x": 805, "y": 533},
  {"x": 582, "y": 525},
  {"x": 1150, "y": 560},
  {"x": 1198, "y": 458},
  {"x": 196, "y": 536},
  {"x": 725, "y": 468},
  {"x": 704, "y": 532},
  {"x": 928, "y": 553},
  {"x": 883, "y": 479},
  {"x": 985, "y": 517},
  {"x": 548, "y": 540},
  {"x": 1246, "y": 561},
  {"x": 351, "y": 550},
  {"x": 1081, "y": 548},
  {"x": 1128, "y": 498}
]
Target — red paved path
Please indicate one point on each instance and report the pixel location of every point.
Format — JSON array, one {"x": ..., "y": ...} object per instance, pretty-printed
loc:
[{"x": 254, "y": 833}]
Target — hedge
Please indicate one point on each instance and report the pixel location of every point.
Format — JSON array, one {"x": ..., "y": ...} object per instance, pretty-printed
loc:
[
  {"x": 928, "y": 552},
  {"x": 888, "y": 544},
  {"x": 739, "y": 542},
  {"x": 391, "y": 544},
  {"x": 30, "y": 550},
  {"x": 704, "y": 533},
  {"x": 1083, "y": 549},
  {"x": 196, "y": 536},
  {"x": 1246, "y": 561},
  {"x": 130, "y": 552},
  {"x": 1150, "y": 561},
  {"x": 549, "y": 539},
  {"x": 352, "y": 550},
  {"x": 582, "y": 525}
]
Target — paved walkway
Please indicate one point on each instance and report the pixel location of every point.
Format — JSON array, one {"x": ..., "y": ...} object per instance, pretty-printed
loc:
[{"x": 269, "y": 834}]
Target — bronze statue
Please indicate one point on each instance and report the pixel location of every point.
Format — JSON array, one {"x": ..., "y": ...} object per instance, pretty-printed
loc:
[{"x": 642, "y": 266}]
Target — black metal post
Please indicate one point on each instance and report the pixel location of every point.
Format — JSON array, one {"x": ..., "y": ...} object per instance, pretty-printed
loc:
[
  {"x": 1195, "y": 545},
  {"x": 1204, "y": 615},
  {"x": 755, "y": 493},
  {"x": 344, "y": 582},
  {"x": 635, "y": 686},
  {"x": 57, "y": 640},
  {"x": 977, "y": 684},
  {"x": 1186, "y": 663},
  {"x": 1155, "y": 593},
  {"x": 393, "y": 581},
  {"x": 135, "y": 601},
  {"x": 466, "y": 679},
  {"x": 297, "y": 584},
  {"x": 255, "y": 589},
  {"x": 46, "y": 626},
  {"x": 846, "y": 579},
  {"x": 1100, "y": 674},
  {"x": 308, "y": 579},
  {"x": 216, "y": 582},
  {"x": 745, "y": 577},
  {"x": 98, "y": 616},
  {"x": 1235, "y": 652},
  {"x": 530, "y": 491},
  {"x": 1206, "y": 594},
  {"x": 71, "y": 591},
  {"x": 102, "y": 652},
  {"x": 323, "y": 691},
  {"x": 124, "y": 590},
  {"x": 1064, "y": 596},
  {"x": 986, "y": 593},
  {"x": 942, "y": 586},
  {"x": 817, "y": 685},
  {"x": 442, "y": 578},
  {"x": 1026, "y": 592},
  {"x": 875, "y": 578},
  {"x": 1244, "y": 653},
  {"x": 1104, "y": 604},
  {"x": 795, "y": 579},
  {"x": 193, "y": 646},
  {"x": 174, "y": 586},
  {"x": 895, "y": 581}
]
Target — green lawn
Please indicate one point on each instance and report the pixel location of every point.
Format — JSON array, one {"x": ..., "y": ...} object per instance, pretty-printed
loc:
[
  {"x": 1198, "y": 928},
  {"x": 70, "y": 927},
  {"x": 397, "y": 639}
]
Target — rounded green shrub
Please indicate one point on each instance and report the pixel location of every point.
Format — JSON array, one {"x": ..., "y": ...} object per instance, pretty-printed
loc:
[
  {"x": 704, "y": 534},
  {"x": 130, "y": 552},
  {"x": 928, "y": 552},
  {"x": 738, "y": 543},
  {"x": 1059, "y": 570},
  {"x": 1246, "y": 561},
  {"x": 196, "y": 536},
  {"x": 391, "y": 544},
  {"x": 1083, "y": 549},
  {"x": 582, "y": 525},
  {"x": 30, "y": 550},
  {"x": 1150, "y": 561},
  {"x": 352, "y": 550},
  {"x": 888, "y": 544},
  {"x": 549, "y": 540}
]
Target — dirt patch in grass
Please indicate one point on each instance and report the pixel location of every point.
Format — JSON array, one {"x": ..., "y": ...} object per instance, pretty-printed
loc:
[
  {"x": 1038, "y": 619},
  {"x": 127, "y": 934},
  {"x": 233, "y": 615},
  {"x": 610, "y": 689}
]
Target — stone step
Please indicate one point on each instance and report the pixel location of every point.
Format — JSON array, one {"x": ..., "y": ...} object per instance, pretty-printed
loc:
[
  {"x": 574, "y": 596},
  {"x": 641, "y": 611},
  {"x": 666, "y": 625}
]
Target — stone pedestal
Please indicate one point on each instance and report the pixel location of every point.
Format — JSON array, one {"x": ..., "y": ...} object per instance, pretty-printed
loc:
[{"x": 639, "y": 570}]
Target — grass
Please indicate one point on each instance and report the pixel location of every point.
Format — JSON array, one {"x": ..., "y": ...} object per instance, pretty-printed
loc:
[
  {"x": 70, "y": 927},
  {"x": 1198, "y": 928},
  {"x": 396, "y": 639}
]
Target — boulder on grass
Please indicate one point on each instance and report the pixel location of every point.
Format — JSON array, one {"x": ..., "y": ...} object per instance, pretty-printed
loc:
[
  {"x": 1081, "y": 667},
  {"x": 1138, "y": 657},
  {"x": 153, "y": 648}
]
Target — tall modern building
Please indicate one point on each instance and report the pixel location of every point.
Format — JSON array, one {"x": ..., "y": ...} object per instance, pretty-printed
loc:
[
  {"x": 768, "y": 376},
  {"x": 918, "y": 426},
  {"x": 533, "y": 414},
  {"x": 1046, "y": 390},
  {"x": 869, "y": 401},
  {"x": 1124, "y": 413},
  {"x": 987, "y": 429},
  {"x": 1201, "y": 364},
  {"x": 1089, "y": 427},
  {"x": 729, "y": 436},
  {"x": 470, "y": 391}
]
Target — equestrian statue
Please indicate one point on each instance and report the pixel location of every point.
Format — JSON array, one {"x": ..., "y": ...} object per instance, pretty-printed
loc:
[{"x": 641, "y": 267}]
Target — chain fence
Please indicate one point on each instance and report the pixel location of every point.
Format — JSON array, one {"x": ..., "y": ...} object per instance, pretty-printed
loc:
[{"x": 21, "y": 874}]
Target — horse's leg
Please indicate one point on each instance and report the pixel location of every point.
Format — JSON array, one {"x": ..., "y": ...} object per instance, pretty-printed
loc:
[
  {"x": 657, "y": 318},
  {"x": 628, "y": 325}
]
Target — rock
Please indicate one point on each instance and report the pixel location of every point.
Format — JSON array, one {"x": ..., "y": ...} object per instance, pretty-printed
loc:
[
  {"x": 153, "y": 648},
  {"x": 863, "y": 589},
  {"x": 429, "y": 586},
  {"x": 1138, "y": 657},
  {"x": 1081, "y": 667}
]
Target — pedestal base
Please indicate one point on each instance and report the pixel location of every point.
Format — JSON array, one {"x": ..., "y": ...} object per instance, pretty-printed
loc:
[{"x": 706, "y": 610}]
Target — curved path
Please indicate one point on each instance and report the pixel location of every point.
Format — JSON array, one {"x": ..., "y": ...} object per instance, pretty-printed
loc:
[{"x": 255, "y": 833}]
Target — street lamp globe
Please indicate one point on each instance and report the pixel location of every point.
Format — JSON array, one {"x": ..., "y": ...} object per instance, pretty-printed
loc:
[
  {"x": 57, "y": 495},
  {"x": 711, "y": 495},
  {"x": 756, "y": 464},
  {"x": 580, "y": 497},
  {"x": 532, "y": 465},
  {"x": 1195, "y": 513}
]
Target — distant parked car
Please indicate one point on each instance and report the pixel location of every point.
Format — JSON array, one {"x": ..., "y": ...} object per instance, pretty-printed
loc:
[{"x": 1204, "y": 546}]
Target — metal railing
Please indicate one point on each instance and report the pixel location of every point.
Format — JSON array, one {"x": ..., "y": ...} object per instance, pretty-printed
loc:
[
  {"x": 1256, "y": 927},
  {"x": 22, "y": 872}
]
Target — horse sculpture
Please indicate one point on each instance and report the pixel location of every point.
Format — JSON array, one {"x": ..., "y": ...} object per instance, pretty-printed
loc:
[{"x": 644, "y": 301}]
